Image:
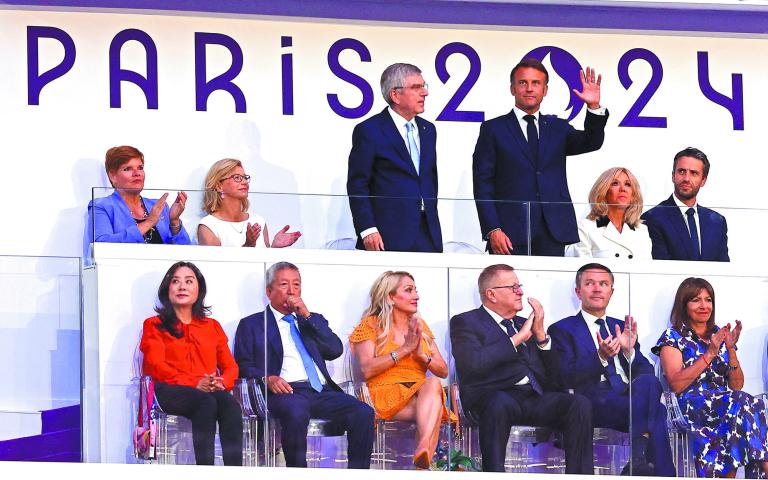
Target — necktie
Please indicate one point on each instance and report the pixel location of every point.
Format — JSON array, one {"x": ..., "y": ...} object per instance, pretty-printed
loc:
[
  {"x": 306, "y": 359},
  {"x": 533, "y": 136},
  {"x": 412, "y": 147},
  {"x": 614, "y": 379},
  {"x": 694, "y": 233},
  {"x": 524, "y": 353}
]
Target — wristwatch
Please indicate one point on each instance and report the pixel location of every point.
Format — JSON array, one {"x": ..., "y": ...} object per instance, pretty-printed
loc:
[{"x": 543, "y": 342}]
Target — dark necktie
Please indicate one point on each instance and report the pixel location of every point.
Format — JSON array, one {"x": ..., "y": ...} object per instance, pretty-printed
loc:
[
  {"x": 524, "y": 353},
  {"x": 533, "y": 136},
  {"x": 306, "y": 358},
  {"x": 614, "y": 379},
  {"x": 694, "y": 233}
]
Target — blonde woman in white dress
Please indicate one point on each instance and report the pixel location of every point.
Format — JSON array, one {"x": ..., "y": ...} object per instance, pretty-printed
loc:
[{"x": 228, "y": 223}]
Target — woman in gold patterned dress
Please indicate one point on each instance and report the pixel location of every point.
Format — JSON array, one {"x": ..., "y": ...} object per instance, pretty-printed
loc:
[{"x": 395, "y": 349}]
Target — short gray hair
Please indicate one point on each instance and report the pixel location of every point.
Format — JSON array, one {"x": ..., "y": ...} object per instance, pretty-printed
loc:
[
  {"x": 269, "y": 278},
  {"x": 394, "y": 76}
]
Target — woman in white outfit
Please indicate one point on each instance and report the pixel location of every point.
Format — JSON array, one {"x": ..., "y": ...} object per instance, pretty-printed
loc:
[
  {"x": 228, "y": 223},
  {"x": 613, "y": 227}
]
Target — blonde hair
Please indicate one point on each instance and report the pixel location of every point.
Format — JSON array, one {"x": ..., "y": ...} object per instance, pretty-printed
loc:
[
  {"x": 218, "y": 172},
  {"x": 599, "y": 193},
  {"x": 381, "y": 305}
]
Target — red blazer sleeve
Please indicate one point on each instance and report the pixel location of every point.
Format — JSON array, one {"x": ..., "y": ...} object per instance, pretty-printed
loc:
[
  {"x": 155, "y": 365},
  {"x": 224, "y": 359}
]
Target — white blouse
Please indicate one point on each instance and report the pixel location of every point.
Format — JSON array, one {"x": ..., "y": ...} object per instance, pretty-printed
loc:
[{"x": 232, "y": 234}]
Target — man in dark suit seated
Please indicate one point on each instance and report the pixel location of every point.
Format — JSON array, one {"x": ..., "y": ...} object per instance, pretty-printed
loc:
[
  {"x": 680, "y": 228},
  {"x": 594, "y": 353},
  {"x": 392, "y": 174},
  {"x": 518, "y": 167},
  {"x": 298, "y": 342},
  {"x": 502, "y": 362}
]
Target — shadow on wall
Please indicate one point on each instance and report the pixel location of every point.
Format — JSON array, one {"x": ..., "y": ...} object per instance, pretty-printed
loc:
[
  {"x": 268, "y": 177},
  {"x": 68, "y": 234}
]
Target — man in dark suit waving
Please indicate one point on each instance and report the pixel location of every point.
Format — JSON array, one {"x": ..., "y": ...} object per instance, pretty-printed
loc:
[
  {"x": 594, "y": 354},
  {"x": 502, "y": 361},
  {"x": 392, "y": 173},
  {"x": 518, "y": 167},
  {"x": 680, "y": 228},
  {"x": 298, "y": 342}
]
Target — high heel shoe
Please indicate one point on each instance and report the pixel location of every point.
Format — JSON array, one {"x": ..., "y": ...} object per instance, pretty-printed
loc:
[{"x": 421, "y": 460}]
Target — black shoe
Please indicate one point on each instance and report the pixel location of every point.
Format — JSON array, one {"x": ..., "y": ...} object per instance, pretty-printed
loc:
[{"x": 639, "y": 468}]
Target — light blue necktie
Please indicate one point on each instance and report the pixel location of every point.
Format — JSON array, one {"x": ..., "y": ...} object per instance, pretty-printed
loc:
[
  {"x": 412, "y": 147},
  {"x": 306, "y": 359}
]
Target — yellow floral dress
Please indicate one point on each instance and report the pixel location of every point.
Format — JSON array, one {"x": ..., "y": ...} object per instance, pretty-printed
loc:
[{"x": 393, "y": 388}]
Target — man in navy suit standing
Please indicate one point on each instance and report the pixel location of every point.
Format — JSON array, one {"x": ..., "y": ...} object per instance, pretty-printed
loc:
[
  {"x": 299, "y": 387},
  {"x": 392, "y": 174},
  {"x": 519, "y": 169},
  {"x": 680, "y": 228},
  {"x": 599, "y": 357},
  {"x": 502, "y": 362}
]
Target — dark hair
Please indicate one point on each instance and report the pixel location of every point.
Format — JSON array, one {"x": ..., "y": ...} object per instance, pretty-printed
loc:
[
  {"x": 592, "y": 266},
  {"x": 269, "y": 277},
  {"x": 488, "y": 273},
  {"x": 687, "y": 291},
  {"x": 166, "y": 312},
  {"x": 533, "y": 63},
  {"x": 693, "y": 153}
]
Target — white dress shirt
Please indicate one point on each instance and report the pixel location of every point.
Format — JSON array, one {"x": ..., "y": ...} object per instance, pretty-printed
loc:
[
  {"x": 684, "y": 208},
  {"x": 293, "y": 368},
  {"x": 498, "y": 319},
  {"x": 524, "y": 125},
  {"x": 593, "y": 329}
]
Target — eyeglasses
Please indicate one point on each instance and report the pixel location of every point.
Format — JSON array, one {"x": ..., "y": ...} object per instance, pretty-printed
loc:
[
  {"x": 415, "y": 87},
  {"x": 238, "y": 178},
  {"x": 517, "y": 288}
]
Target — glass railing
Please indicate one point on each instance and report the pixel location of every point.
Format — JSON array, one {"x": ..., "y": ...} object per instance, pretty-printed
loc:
[
  {"x": 40, "y": 347},
  {"x": 311, "y": 221},
  {"x": 479, "y": 360}
]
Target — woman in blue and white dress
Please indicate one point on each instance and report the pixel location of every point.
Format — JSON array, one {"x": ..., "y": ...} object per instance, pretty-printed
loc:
[{"x": 702, "y": 367}]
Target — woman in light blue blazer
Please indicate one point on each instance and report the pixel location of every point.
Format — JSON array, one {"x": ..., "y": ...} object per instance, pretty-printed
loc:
[{"x": 126, "y": 216}]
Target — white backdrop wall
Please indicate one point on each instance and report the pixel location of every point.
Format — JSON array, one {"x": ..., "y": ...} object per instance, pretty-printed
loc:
[{"x": 54, "y": 150}]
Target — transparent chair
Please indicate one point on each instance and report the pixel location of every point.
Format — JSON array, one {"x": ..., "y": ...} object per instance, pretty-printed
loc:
[
  {"x": 317, "y": 430},
  {"x": 173, "y": 442},
  {"x": 537, "y": 449}
]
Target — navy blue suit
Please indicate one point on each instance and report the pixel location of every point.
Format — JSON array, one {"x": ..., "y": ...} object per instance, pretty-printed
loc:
[
  {"x": 505, "y": 170},
  {"x": 385, "y": 190},
  {"x": 671, "y": 240},
  {"x": 489, "y": 367},
  {"x": 294, "y": 410},
  {"x": 580, "y": 369}
]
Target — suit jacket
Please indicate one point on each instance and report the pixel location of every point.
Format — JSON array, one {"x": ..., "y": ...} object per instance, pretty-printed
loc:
[
  {"x": 670, "y": 237},
  {"x": 504, "y": 169},
  {"x": 110, "y": 220},
  {"x": 250, "y": 350},
  {"x": 579, "y": 367},
  {"x": 384, "y": 188},
  {"x": 487, "y": 361},
  {"x": 600, "y": 239}
]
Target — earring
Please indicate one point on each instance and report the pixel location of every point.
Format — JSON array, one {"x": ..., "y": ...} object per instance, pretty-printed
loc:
[{"x": 221, "y": 194}]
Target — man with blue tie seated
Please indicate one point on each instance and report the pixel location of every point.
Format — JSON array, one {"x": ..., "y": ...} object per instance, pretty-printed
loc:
[
  {"x": 299, "y": 387},
  {"x": 502, "y": 363},
  {"x": 392, "y": 174},
  {"x": 594, "y": 355},
  {"x": 680, "y": 228}
]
